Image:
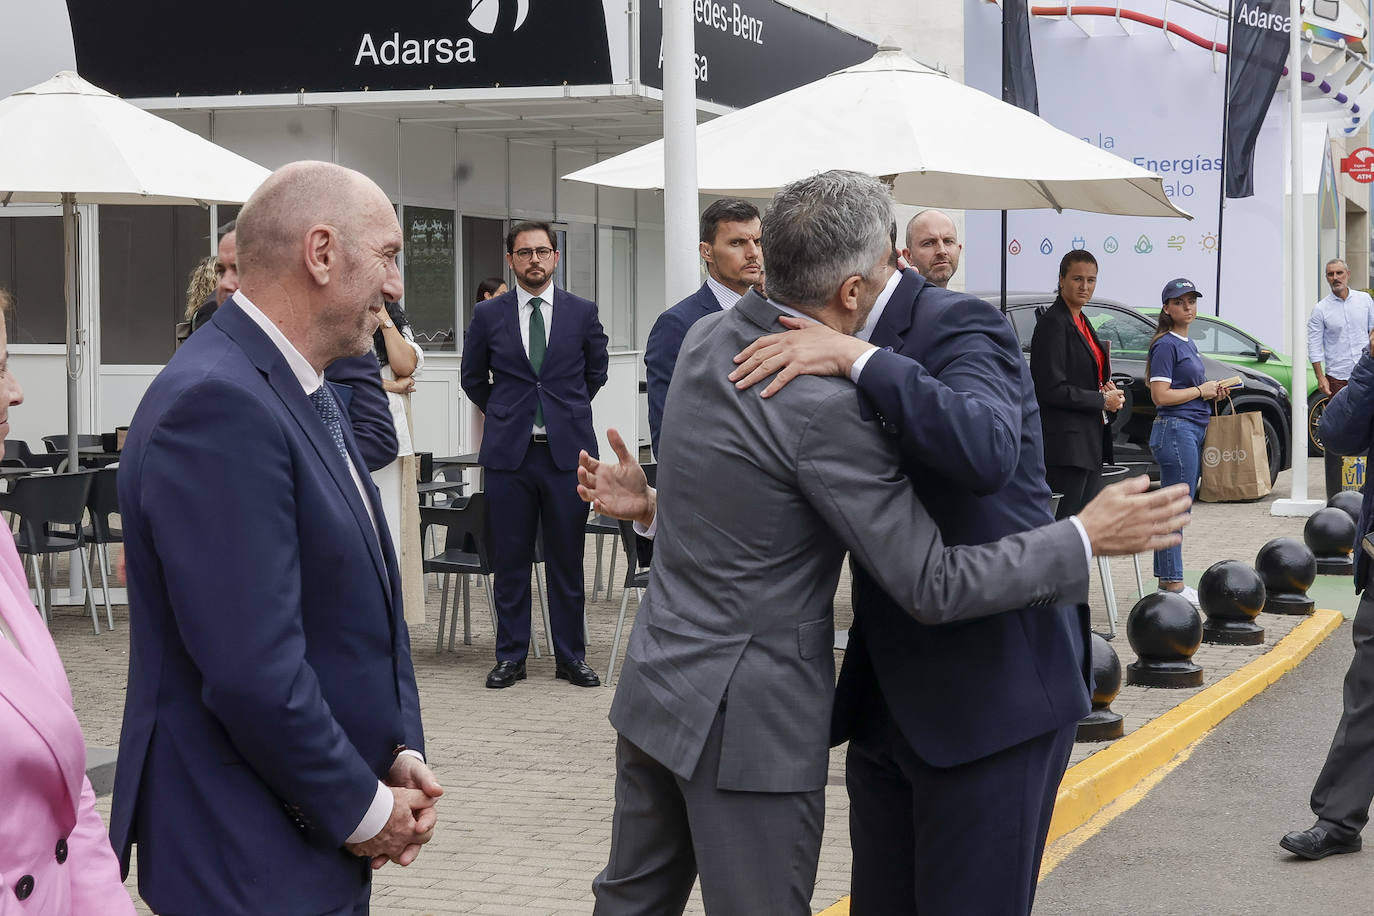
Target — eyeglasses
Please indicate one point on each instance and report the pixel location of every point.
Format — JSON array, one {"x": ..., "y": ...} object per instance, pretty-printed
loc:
[{"x": 524, "y": 254}]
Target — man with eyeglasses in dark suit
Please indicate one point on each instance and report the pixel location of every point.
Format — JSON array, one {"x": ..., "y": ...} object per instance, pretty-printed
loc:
[{"x": 533, "y": 359}]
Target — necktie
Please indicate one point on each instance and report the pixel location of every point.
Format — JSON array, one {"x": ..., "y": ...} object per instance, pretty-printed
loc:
[
  {"x": 538, "y": 344},
  {"x": 328, "y": 409}
]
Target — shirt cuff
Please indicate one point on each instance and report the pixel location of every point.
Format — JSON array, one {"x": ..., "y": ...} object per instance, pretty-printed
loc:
[
  {"x": 859, "y": 364},
  {"x": 413, "y": 753},
  {"x": 650, "y": 531},
  {"x": 376, "y": 817},
  {"x": 1087, "y": 544}
]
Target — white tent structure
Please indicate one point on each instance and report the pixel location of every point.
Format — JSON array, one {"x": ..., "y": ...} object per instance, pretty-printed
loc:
[
  {"x": 943, "y": 143},
  {"x": 69, "y": 142}
]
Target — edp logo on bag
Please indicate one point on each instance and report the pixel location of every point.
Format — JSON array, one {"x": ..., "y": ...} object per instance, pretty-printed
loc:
[{"x": 1213, "y": 456}]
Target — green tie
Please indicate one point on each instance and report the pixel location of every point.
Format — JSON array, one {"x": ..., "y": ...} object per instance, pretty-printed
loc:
[{"x": 538, "y": 344}]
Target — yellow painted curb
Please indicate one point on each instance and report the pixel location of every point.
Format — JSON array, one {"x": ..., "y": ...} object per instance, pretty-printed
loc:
[
  {"x": 1109, "y": 774},
  {"x": 1097, "y": 781}
]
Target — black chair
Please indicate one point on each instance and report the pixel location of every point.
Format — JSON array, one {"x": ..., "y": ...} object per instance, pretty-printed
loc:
[
  {"x": 467, "y": 535},
  {"x": 50, "y": 509},
  {"x": 19, "y": 455},
  {"x": 57, "y": 445},
  {"x": 637, "y": 578},
  {"x": 103, "y": 503}
]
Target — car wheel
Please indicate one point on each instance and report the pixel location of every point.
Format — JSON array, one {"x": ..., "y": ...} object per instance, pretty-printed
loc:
[
  {"x": 1273, "y": 447},
  {"x": 1314, "y": 416}
]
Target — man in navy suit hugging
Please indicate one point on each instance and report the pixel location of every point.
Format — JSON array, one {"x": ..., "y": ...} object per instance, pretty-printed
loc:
[
  {"x": 730, "y": 246},
  {"x": 533, "y": 359}
]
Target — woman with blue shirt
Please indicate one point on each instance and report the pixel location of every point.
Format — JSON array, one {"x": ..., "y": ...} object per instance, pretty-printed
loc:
[{"x": 1181, "y": 392}]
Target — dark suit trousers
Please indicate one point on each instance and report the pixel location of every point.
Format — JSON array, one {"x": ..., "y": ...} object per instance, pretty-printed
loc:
[
  {"x": 1345, "y": 787},
  {"x": 948, "y": 842},
  {"x": 756, "y": 851},
  {"x": 519, "y": 500},
  {"x": 1077, "y": 485}
]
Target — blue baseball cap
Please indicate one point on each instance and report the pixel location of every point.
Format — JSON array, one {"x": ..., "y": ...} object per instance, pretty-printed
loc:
[{"x": 1177, "y": 289}]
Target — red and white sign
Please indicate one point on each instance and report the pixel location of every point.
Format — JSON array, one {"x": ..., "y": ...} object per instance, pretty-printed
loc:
[{"x": 1359, "y": 165}]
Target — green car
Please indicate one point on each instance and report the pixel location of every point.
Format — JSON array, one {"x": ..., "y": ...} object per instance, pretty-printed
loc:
[{"x": 1225, "y": 341}]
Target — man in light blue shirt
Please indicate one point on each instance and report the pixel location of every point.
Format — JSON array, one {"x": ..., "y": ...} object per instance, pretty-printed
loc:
[{"x": 1338, "y": 331}]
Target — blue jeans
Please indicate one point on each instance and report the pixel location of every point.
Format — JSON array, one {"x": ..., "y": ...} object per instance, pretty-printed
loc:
[{"x": 1177, "y": 446}]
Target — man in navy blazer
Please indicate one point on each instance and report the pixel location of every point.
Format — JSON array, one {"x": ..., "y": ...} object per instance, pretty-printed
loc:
[
  {"x": 730, "y": 246},
  {"x": 533, "y": 359},
  {"x": 271, "y": 752},
  {"x": 958, "y": 735}
]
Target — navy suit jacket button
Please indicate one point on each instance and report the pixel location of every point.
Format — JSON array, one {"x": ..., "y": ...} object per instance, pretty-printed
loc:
[
  {"x": 24, "y": 887},
  {"x": 61, "y": 851}
]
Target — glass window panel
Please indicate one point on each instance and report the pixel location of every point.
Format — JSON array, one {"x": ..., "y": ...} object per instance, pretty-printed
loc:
[
  {"x": 484, "y": 255},
  {"x": 430, "y": 257},
  {"x": 1229, "y": 342},
  {"x": 31, "y": 268},
  {"x": 1126, "y": 331},
  {"x": 146, "y": 257},
  {"x": 615, "y": 290}
]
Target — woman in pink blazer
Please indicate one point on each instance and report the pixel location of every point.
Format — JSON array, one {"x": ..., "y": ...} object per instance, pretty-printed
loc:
[{"x": 55, "y": 857}]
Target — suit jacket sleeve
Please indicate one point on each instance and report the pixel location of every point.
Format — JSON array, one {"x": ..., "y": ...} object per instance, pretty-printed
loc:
[
  {"x": 660, "y": 356},
  {"x": 368, "y": 409},
  {"x": 476, "y": 367},
  {"x": 596, "y": 360},
  {"x": 235, "y": 590},
  {"x": 851, "y": 478},
  {"x": 1049, "y": 367},
  {"x": 966, "y": 424},
  {"x": 1347, "y": 425}
]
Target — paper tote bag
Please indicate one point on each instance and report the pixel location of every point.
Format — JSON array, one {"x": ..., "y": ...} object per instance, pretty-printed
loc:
[{"x": 1235, "y": 465}]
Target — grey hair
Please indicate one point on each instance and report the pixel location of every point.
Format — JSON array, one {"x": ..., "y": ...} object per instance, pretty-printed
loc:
[{"x": 820, "y": 231}]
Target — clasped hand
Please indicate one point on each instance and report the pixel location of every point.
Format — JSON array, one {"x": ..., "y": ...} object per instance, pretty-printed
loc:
[{"x": 414, "y": 791}]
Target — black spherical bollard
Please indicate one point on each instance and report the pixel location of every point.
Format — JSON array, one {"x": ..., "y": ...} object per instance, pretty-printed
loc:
[
  {"x": 1102, "y": 724},
  {"x": 1164, "y": 630},
  {"x": 1330, "y": 535},
  {"x": 1288, "y": 569},
  {"x": 1231, "y": 595},
  {"x": 1348, "y": 501}
]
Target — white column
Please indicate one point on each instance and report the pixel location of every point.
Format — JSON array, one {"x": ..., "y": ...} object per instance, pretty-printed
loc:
[
  {"x": 679, "y": 152},
  {"x": 1298, "y": 503}
]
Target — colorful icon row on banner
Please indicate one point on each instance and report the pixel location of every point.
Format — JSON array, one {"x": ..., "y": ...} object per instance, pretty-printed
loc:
[{"x": 1208, "y": 242}]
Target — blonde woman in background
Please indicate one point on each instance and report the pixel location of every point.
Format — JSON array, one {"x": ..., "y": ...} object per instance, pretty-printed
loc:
[
  {"x": 401, "y": 359},
  {"x": 201, "y": 286}
]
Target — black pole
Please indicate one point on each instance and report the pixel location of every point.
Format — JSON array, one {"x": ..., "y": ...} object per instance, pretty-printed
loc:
[
  {"x": 1221, "y": 196},
  {"x": 1004, "y": 262}
]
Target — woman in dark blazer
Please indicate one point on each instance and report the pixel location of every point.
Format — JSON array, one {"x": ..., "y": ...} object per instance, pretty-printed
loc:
[{"x": 1071, "y": 368}]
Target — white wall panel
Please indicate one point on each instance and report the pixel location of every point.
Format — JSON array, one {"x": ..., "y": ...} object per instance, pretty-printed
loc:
[
  {"x": 576, "y": 199},
  {"x": 427, "y": 166},
  {"x": 368, "y": 144},
  {"x": 481, "y": 175},
  {"x": 531, "y": 181},
  {"x": 274, "y": 138},
  {"x": 197, "y": 122}
]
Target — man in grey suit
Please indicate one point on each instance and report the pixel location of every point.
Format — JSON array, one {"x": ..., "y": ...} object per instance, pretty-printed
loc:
[{"x": 723, "y": 706}]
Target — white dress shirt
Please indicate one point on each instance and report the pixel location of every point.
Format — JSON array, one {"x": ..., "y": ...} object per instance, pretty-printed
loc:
[
  {"x": 726, "y": 296},
  {"x": 525, "y": 310},
  {"x": 380, "y": 810},
  {"x": 1338, "y": 332}
]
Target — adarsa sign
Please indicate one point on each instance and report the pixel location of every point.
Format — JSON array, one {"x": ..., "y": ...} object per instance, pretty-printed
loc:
[
  {"x": 394, "y": 50},
  {"x": 1256, "y": 18}
]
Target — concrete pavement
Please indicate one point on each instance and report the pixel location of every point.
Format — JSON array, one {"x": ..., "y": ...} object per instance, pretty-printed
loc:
[{"x": 525, "y": 825}]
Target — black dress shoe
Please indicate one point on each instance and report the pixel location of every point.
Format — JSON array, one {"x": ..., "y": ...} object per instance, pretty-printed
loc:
[
  {"x": 1316, "y": 843},
  {"x": 577, "y": 673},
  {"x": 505, "y": 674}
]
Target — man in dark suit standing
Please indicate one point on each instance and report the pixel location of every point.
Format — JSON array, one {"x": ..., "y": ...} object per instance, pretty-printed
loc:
[
  {"x": 731, "y": 248},
  {"x": 533, "y": 359},
  {"x": 272, "y": 746},
  {"x": 945, "y": 372}
]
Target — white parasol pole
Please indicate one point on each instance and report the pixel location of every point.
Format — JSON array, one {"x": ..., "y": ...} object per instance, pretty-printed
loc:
[
  {"x": 680, "y": 271},
  {"x": 70, "y": 283},
  {"x": 1297, "y": 504}
]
